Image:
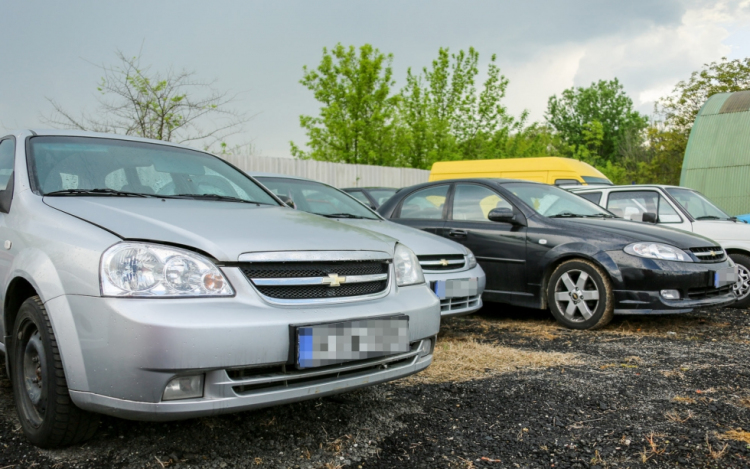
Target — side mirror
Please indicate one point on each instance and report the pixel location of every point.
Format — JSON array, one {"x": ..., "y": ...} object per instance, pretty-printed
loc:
[
  {"x": 287, "y": 200},
  {"x": 503, "y": 215},
  {"x": 649, "y": 217}
]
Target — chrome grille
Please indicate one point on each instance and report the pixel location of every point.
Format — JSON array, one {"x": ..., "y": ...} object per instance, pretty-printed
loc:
[
  {"x": 709, "y": 254},
  {"x": 301, "y": 281},
  {"x": 440, "y": 263}
]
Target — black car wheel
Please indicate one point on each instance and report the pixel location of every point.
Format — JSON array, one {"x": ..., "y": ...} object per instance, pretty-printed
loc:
[
  {"x": 742, "y": 287},
  {"x": 48, "y": 417},
  {"x": 580, "y": 295}
]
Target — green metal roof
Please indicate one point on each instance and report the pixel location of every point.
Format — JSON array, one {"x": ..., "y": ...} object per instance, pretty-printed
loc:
[{"x": 717, "y": 158}]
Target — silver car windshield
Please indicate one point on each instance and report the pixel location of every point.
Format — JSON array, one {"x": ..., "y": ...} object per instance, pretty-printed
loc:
[
  {"x": 318, "y": 198},
  {"x": 697, "y": 205},
  {"x": 85, "y": 166},
  {"x": 552, "y": 202}
]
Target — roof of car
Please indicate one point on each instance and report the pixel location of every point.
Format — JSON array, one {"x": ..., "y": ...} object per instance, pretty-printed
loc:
[
  {"x": 372, "y": 188},
  {"x": 623, "y": 186},
  {"x": 261, "y": 174}
]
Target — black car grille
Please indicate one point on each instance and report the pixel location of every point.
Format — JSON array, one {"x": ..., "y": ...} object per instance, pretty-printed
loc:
[
  {"x": 709, "y": 254},
  {"x": 258, "y": 271},
  {"x": 708, "y": 292},
  {"x": 435, "y": 263},
  {"x": 312, "y": 269}
]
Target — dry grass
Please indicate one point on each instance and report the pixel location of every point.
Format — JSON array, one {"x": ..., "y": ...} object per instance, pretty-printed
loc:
[
  {"x": 653, "y": 447},
  {"x": 465, "y": 358},
  {"x": 744, "y": 402},
  {"x": 676, "y": 417},
  {"x": 662, "y": 326},
  {"x": 736, "y": 435},
  {"x": 528, "y": 327},
  {"x": 716, "y": 454},
  {"x": 683, "y": 400}
]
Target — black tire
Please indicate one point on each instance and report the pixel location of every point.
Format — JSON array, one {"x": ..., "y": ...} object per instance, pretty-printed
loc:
[
  {"x": 742, "y": 288},
  {"x": 572, "y": 306},
  {"x": 48, "y": 417}
]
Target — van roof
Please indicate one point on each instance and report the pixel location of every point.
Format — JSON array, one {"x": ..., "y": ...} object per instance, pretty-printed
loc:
[{"x": 515, "y": 164}]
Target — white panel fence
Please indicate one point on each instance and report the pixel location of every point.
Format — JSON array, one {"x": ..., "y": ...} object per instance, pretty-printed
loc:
[{"x": 335, "y": 174}]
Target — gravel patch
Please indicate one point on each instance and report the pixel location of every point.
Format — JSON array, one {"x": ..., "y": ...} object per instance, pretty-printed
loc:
[{"x": 643, "y": 392}]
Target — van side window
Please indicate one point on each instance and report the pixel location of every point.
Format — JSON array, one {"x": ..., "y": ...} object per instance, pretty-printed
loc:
[
  {"x": 631, "y": 205},
  {"x": 567, "y": 182},
  {"x": 595, "y": 197},
  {"x": 426, "y": 203}
]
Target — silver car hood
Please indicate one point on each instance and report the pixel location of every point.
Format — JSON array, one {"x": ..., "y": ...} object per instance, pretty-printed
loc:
[
  {"x": 421, "y": 242},
  {"x": 222, "y": 229}
]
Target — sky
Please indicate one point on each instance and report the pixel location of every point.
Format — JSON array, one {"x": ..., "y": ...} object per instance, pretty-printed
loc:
[{"x": 256, "y": 50}]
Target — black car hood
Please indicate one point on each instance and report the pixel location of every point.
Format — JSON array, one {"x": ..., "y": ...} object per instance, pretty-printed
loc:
[{"x": 623, "y": 232}]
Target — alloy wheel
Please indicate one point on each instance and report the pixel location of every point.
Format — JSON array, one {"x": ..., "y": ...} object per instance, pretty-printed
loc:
[
  {"x": 742, "y": 287},
  {"x": 577, "y": 295}
]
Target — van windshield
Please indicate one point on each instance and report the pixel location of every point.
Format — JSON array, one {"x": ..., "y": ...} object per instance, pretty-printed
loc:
[
  {"x": 88, "y": 166},
  {"x": 553, "y": 202}
]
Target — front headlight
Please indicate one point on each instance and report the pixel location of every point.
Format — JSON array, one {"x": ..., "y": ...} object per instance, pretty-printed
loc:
[
  {"x": 470, "y": 257},
  {"x": 151, "y": 270},
  {"x": 408, "y": 270},
  {"x": 658, "y": 251}
]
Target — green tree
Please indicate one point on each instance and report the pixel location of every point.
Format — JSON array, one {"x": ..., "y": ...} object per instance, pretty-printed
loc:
[
  {"x": 356, "y": 122},
  {"x": 444, "y": 117},
  {"x": 169, "y": 105},
  {"x": 680, "y": 108},
  {"x": 580, "y": 111}
]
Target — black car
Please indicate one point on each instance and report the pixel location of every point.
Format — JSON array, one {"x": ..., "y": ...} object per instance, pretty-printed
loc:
[
  {"x": 373, "y": 197},
  {"x": 542, "y": 246}
]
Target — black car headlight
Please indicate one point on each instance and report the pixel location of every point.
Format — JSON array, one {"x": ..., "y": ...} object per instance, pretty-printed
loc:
[{"x": 660, "y": 251}]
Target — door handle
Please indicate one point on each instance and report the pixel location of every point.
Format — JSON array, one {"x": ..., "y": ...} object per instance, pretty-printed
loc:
[{"x": 457, "y": 233}]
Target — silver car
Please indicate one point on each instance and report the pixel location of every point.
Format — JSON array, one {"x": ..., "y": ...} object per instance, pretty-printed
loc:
[
  {"x": 150, "y": 281},
  {"x": 450, "y": 268}
]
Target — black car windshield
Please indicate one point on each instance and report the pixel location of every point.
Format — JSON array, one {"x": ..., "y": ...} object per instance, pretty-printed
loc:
[
  {"x": 318, "y": 198},
  {"x": 697, "y": 205},
  {"x": 69, "y": 166},
  {"x": 381, "y": 196},
  {"x": 551, "y": 201}
]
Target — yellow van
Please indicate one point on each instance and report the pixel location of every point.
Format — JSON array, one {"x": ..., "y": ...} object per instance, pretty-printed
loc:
[{"x": 549, "y": 170}]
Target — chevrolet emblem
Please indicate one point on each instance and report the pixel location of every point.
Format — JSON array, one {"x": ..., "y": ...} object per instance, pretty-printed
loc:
[
  {"x": 712, "y": 253},
  {"x": 444, "y": 262},
  {"x": 333, "y": 280}
]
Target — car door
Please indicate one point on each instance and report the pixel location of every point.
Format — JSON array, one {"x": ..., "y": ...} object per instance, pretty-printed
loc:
[
  {"x": 7, "y": 160},
  {"x": 632, "y": 204},
  {"x": 424, "y": 209},
  {"x": 500, "y": 248}
]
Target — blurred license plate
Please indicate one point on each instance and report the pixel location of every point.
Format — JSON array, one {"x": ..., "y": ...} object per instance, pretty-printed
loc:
[
  {"x": 455, "y": 288},
  {"x": 339, "y": 342},
  {"x": 725, "y": 277}
]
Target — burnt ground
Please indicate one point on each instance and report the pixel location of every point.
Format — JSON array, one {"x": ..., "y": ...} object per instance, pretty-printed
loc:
[{"x": 644, "y": 392}]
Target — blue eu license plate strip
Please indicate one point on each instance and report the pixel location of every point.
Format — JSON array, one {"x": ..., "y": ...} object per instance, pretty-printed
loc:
[
  {"x": 454, "y": 288},
  {"x": 334, "y": 343}
]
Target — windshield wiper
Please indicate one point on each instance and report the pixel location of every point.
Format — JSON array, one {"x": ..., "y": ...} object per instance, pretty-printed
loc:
[
  {"x": 599, "y": 215},
  {"x": 708, "y": 217},
  {"x": 226, "y": 198},
  {"x": 566, "y": 215},
  {"x": 341, "y": 215},
  {"x": 111, "y": 192}
]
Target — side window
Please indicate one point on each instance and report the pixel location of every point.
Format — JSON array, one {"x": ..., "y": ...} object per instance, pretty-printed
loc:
[
  {"x": 7, "y": 158},
  {"x": 595, "y": 197},
  {"x": 472, "y": 202},
  {"x": 425, "y": 203},
  {"x": 631, "y": 205},
  {"x": 567, "y": 182}
]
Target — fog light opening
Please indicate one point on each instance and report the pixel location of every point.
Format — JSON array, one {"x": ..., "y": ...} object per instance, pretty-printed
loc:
[
  {"x": 184, "y": 387},
  {"x": 426, "y": 347},
  {"x": 670, "y": 294}
]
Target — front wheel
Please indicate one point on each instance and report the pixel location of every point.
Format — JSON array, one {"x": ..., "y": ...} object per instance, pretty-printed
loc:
[
  {"x": 48, "y": 417},
  {"x": 742, "y": 287},
  {"x": 580, "y": 295}
]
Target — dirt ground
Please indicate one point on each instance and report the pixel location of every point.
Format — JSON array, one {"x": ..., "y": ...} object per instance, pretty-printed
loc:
[{"x": 508, "y": 388}]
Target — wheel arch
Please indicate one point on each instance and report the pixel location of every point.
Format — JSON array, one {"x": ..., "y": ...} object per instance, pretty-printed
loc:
[{"x": 599, "y": 258}]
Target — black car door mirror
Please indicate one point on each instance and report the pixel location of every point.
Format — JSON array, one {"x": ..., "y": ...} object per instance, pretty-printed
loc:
[
  {"x": 502, "y": 214},
  {"x": 649, "y": 217},
  {"x": 287, "y": 200}
]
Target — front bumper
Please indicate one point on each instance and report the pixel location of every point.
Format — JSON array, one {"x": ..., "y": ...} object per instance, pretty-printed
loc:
[
  {"x": 459, "y": 306},
  {"x": 119, "y": 353},
  {"x": 640, "y": 281}
]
